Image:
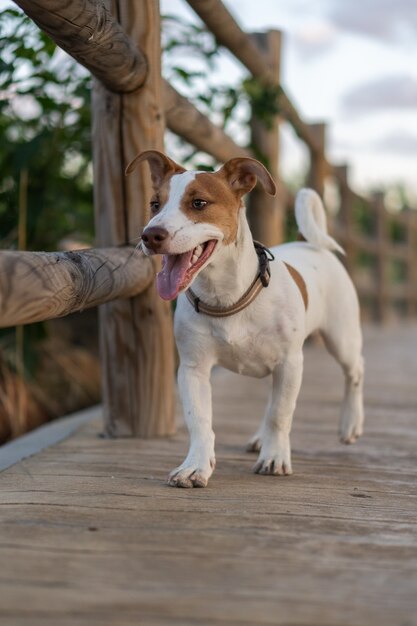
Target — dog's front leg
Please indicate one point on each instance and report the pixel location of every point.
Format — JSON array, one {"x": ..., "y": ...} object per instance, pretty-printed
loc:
[
  {"x": 195, "y": 391},
  {"x": 275, "y": 454}
]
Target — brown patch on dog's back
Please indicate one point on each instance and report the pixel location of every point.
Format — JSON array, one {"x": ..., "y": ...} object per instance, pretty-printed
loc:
[
  {"x": 223, "y": 204},
  {"x": 299, "y": 281}
]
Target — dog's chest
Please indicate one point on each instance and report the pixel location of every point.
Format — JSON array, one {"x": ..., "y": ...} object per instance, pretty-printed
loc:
[{"x": 247, "y": 349}]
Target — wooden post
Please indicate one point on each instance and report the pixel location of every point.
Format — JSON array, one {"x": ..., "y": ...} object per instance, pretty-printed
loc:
[
  {"x": 266, "y": 213},
  {"x": 382, "y": 276},
  {"x": 317, "y": 174},
  {"x": 135, "y": 335},
  {"x": 411, "y": 264},
  {"x": 346, "y": 218}
]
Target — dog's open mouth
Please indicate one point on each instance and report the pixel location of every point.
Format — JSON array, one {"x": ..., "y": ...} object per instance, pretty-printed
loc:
[{"x": 178, "y": 270}]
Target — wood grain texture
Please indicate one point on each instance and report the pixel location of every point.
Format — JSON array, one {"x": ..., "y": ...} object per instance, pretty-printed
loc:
[
  {"x": 265, "y": 212},
  {"x": 184, "y": 119},
  {"x": 36, "y": 286},
  {"x": 90, "y": 535},
  {"x": 135, "y": 335},
  {"x": 87, "y": 31}
]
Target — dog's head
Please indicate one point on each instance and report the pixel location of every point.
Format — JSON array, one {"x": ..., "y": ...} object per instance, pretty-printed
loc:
[{"x": 194, "y": 213}]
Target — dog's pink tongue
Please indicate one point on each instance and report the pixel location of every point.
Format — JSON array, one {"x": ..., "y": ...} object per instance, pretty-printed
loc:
[{"x": 171, "y": 278}]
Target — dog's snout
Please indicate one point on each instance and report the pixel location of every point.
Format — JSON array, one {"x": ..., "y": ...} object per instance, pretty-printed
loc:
[{"x": 153, "y": 237}]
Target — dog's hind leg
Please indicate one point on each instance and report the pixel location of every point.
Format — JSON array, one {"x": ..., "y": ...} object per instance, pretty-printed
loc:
[{"x": 346, "y": 347}]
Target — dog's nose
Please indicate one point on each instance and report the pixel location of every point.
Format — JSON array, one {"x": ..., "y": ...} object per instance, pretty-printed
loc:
[{"x": 153, "y": 237}]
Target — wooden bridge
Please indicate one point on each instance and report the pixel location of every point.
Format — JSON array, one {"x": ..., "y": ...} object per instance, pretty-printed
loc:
[{"x": 89, "y": 533}]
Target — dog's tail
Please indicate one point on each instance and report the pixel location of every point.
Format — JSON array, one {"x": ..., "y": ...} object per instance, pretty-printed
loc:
[{"x": 311, "y": 220}]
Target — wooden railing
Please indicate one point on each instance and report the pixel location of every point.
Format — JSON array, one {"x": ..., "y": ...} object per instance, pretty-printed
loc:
[
  {"x": 381, "y": 254},
  {"x": 119, "y": 43}
]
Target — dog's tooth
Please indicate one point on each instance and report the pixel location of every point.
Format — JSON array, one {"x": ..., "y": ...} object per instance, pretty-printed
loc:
[
  {"x": 198, "y": 250},
  {"x": 194, "y": 259}
]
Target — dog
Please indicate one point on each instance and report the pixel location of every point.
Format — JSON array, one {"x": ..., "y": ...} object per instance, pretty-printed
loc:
[{"x": 247, "y": 308}]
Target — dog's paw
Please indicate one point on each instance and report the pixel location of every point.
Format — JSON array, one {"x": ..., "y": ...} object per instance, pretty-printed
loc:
[
  {"x": 350, "y": 435},
  {"x": 273, "y": 467},
  {"x": 350, "y": 429},
  {"x": 190, "y": 475},
  {"x": 274, "y": 460}
]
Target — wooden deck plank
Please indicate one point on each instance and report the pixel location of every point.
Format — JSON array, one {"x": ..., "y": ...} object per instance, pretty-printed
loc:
[{"x": 90, "y": 534}]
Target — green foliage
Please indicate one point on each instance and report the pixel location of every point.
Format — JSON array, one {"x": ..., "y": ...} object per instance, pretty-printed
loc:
[
  {"x": 397, "y": 232},
  {"x": 363, "y": 216},
  {"x": 397, "y": 271},
  {"x": 264, "y": 100},
  {"x": 45, "y": 129}
]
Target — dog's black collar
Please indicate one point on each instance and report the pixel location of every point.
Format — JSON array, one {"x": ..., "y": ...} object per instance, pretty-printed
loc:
[
  {"x": 262, "y": 280},
  {"x": 264, "y": 256}
]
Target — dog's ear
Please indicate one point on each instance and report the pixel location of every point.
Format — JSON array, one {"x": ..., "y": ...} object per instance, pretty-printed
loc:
[
  {"x": 242, "y": 174},
  {"x": 160, "y": 165}
]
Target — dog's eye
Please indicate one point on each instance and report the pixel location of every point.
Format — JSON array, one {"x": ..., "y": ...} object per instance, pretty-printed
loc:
[
  {"x": 199, "y": 204},
  {"x": 155, "y": 206}
]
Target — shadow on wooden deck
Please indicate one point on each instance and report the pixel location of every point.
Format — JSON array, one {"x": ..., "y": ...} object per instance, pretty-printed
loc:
[{"x": 90, "y": 534}]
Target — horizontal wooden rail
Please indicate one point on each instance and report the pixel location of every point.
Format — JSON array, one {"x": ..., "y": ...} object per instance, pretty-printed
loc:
[
  {"x": 87, "y": 31},
  {"x": 184, "y": 119},
  {"x": 36, "y": 286}
]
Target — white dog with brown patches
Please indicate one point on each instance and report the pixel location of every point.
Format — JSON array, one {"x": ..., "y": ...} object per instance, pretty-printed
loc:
[{"x": 244, "y": 313}]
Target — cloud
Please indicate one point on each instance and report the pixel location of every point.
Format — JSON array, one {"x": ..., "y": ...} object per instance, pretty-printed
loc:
[
  {"x": 314, "y": 38},
  {"x": 398, "y": 143},
  {"x": 387, "y": 20},
  {"x": 389, "y": 92}
]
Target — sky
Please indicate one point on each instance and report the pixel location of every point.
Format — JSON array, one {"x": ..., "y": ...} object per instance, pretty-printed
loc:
[{"x": 352, "y": 64}]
